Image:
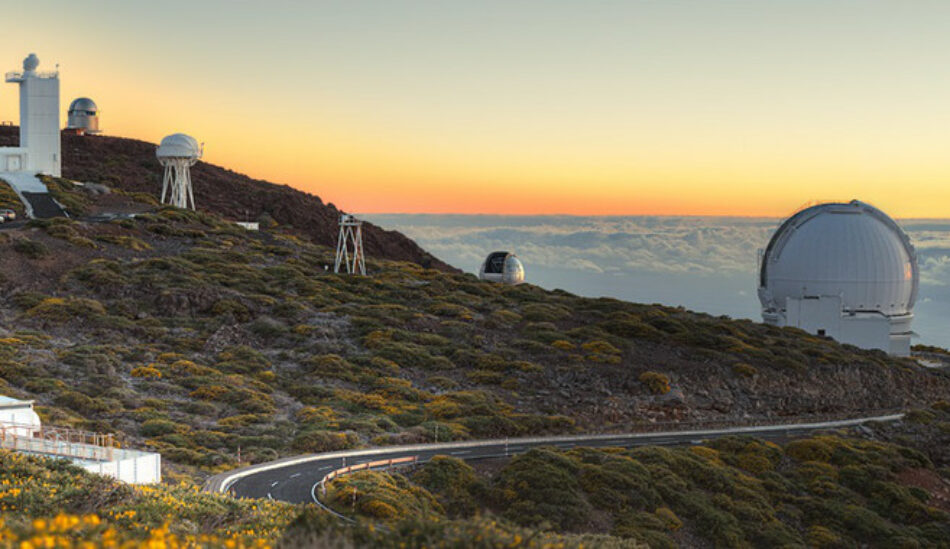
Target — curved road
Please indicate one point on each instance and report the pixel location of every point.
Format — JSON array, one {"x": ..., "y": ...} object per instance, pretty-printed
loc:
[{"x": 296, "y": 479}]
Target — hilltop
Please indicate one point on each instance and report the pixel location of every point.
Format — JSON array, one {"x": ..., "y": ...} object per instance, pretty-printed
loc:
[{"x": 130, "y": 165}]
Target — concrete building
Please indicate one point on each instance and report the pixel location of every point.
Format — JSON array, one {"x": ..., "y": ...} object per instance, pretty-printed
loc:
[
  {"x": 22, "y": 431},
  {"x": 845, "y": 271},
  {"x": 20, "y": 414}
]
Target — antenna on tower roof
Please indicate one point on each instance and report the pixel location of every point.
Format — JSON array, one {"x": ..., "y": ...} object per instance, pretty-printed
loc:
[{"x": 349, "y": 246}]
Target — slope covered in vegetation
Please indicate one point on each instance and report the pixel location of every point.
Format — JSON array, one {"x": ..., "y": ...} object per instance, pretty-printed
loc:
[
  {"x": 823, "y": 491},
  {"x": 189, "y": 335},
  {"x": 829, "y": 490},
  {"x": 49, "y": 503}
]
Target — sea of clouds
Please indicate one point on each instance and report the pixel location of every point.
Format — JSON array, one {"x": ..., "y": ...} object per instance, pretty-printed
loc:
[{"x": 703, "y": 263}]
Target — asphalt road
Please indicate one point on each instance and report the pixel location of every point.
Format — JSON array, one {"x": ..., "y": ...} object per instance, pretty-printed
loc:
[{"x": 296, "y": 479}]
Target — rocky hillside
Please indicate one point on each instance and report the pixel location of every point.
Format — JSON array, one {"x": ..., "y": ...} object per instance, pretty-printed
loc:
[
  {"x": 183, "y": 333},
  {"x": 829, "y": 490},
  {"x": 191, "y": 336},
  {"x": 130, "y": 165},
  {"x": 821, "y": 491}
]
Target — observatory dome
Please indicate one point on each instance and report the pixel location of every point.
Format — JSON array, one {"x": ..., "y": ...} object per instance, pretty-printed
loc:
[
  {"x": 83, "y": 105},
  {"x": 502, "y": 267},
  {"x": 851, "y": 251},
  {"x": 83, "y": 116},
  {"x": 179, "y": 145}
]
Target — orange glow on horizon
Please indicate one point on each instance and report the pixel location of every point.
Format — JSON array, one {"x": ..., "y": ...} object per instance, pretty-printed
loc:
[{"x": 644, "y": 109}]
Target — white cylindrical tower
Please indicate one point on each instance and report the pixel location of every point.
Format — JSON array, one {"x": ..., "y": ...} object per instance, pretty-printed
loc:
[
  {"x": 178, "y": 153},
  {"x": 39, "y": 117},
  {"x": 846, "y": 271}
]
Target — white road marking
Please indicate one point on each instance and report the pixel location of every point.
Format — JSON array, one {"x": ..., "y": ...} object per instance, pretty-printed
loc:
[
  {"x": 274, "y": 483},
  {"x": 269, "y": 496},
  {"x": 461, "y": 452},
  {"x": 313, "y": 493},
  {"x": 295, "y": 475}
]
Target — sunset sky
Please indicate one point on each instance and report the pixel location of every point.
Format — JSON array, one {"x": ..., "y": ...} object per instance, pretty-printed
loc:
[{"x": 527, "y": 107}]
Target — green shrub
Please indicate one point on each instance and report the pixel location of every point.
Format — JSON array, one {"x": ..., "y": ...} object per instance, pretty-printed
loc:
[
  {"x": 668, "y": 517},
  {"x": 744, "y": 370},
  {"x": 658, "y": 383},
  {"x": 30, "y": 248},
  {"x": 158, "y": 427},
  {"x": 319, "y": 440},
  {"x": 600, "y": 347},
  {"x": 59, "y": 309},
  {"x": 811, "y": 449},
  {"x": 454, "y": 484}
]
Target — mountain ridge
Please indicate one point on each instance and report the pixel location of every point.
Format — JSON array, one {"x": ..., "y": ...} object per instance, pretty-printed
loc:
[{"x": 131, "y": 166}]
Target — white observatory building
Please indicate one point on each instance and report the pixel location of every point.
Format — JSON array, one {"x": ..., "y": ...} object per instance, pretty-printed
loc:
[
  {"x": 178, "y": 153},
  {"x": 502, "y": 267},
  {"x": 846, "y": 271},
  {"x": 83, "y": 116},
  {"x": 39, "y": 150}
]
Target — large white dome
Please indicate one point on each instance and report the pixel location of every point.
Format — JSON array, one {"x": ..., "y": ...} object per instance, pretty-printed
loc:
[{"x": 850, "y": 250}]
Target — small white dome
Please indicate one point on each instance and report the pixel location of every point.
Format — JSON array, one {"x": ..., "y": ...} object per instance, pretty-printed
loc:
[
  {"x": 179, "y": 145},
  {"x": 502, "y": 267},
  {"x": 851, "y": 250}
]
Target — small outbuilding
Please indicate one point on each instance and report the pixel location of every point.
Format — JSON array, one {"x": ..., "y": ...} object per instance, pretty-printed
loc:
[
  {"x": 22, "y": 431},
  {"x": 17, "y": 417}
]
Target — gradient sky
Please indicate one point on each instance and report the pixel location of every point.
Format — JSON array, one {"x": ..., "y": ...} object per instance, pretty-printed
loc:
[{"x": 666, "y": 107}]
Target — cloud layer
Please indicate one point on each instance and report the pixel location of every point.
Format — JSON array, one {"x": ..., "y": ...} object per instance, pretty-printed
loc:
[
  {"x": 700, "y": 245},
  {"x": 704, "y": 263}
]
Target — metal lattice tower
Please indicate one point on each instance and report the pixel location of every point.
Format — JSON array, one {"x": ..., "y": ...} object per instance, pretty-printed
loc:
[
  {"x": 349, "y": 246},
  {"x": 176, "y": 186}
]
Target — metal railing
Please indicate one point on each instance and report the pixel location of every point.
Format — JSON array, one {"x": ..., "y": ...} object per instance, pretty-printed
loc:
[
  {"x": 57, "y": 441},
  {"x": 378, "y": 464},
  {"x": 758, "y": 421},
  {"x": 16, "y": 76},
  {"x": 222, "y": 482},
  {"x": 382, "y": 463}
]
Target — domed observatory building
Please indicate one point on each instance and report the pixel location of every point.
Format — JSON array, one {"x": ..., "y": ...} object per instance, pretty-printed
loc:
[
  {"x": 178, "y": 153},
  {"x": 846, "y": 271},
  {"x": 83, "y": 116},
  {"x": 502, "y": 267}
]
